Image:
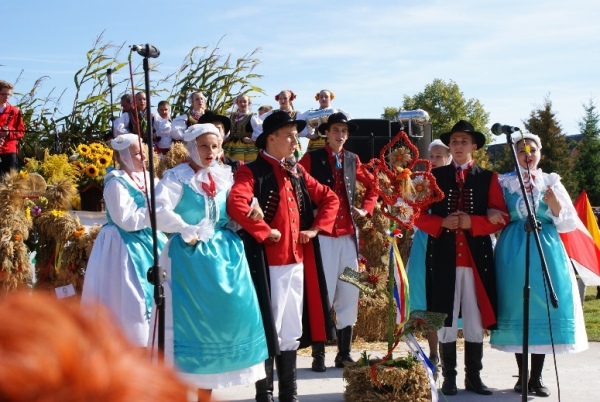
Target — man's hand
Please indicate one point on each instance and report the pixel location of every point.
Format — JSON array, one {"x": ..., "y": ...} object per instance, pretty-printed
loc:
[
  {"x": 496, "y": 216},
  {"x": 275, "y": 235},
  {"x": 256, "y": 213},
  {"x": 464, "y": 220},
  {"x": 451, "y": 221},
  {"x": 306, "y": 235},
  {"x": 358, "y": 213}
]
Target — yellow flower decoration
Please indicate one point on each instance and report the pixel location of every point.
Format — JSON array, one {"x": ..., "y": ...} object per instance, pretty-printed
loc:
[
  {"x": 96, "y": 147},
  {"x": 56, "y": 213},
  {"x": 24, "y": 174},
  {"x": 91, "y": 171},
  {"x": 103, "y": 161},
  {"x": 79, "y": 165},
  {"x": 83, "y": 149}
]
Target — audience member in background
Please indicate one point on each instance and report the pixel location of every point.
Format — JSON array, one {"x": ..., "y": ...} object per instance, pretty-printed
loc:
[
  {"x": 264, "y": 109},
  {"x": 162, "y": 124},
  {"x": 197, "y": 102}
]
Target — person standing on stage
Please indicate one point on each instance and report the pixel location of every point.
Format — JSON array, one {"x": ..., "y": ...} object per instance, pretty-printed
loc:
[
  {"x": 245, "y": 127},
  {"x": 282, "y": 249},
  {"x": 554, "y": 209},
  {"x": 12, "y": 129},
  {"x": 285, "y": 99},
  {"x": 123, "y": 250},
  {"x": 214, "y": 333},
  {"x": 460, "y": 277},
  {"x": 439, "y": 155},
  {"x": 197, "y": 102},
  {"x": 316, "y": 141},
  {"x": 224, "y": 125},
  {"x": 127, "y": 122},
  {"x": 163, "y": 127},
  {"x": 339, "y": 170}
]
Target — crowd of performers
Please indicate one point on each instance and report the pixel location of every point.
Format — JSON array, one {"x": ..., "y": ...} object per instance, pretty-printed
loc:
[{"x": 248, "y": 217}]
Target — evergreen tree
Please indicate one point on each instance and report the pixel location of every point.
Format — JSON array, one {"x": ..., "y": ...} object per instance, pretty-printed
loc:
[
  {"x": 587, "y": 161},
  {"x": 555, "y": 152}
]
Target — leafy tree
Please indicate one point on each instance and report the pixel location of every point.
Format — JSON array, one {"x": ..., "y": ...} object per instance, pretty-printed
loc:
[
  {"x": 390, "y": 113},
  {"x": 446, "y": 105},
  {"x": 555, "y": 152},
  {"x": 586, "y": 168}
]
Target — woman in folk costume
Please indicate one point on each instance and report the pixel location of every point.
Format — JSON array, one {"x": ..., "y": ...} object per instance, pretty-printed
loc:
[
  {"x": 319, "y": 116},
  {"x": 123, "y": 250},
  {"x": 214, "y": 331},
  {"x": 245, "y": 126},
  {"x": 554, "y": 209},
  {"x": 285, "y": 99},
  {"x": 197, "y": 101}
]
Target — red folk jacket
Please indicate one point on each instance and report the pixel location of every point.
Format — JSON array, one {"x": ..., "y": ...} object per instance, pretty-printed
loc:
[{"x": 12, "y": 118}]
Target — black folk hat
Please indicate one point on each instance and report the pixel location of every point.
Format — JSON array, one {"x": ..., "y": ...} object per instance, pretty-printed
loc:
[
  {"x": 211, "y": 117},
  {"x": 337, "y": 118},
  {"x": 464, "y": 126},
  {"x": 274, "y": 122}
]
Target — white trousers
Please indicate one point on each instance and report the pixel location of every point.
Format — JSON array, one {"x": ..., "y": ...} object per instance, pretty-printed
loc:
[
  {"x": 287, "y": 292},
  {"x": 465, "y": 300},
  {"x": 337, "y": 253}
]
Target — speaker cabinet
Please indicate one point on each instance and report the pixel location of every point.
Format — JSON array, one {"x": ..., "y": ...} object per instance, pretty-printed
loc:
[{"x": 371, "y": 136}]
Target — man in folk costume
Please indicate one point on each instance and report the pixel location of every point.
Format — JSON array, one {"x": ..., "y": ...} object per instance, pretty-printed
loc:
[
  {"x": 339, "y": 170},
  {"x": 12, "y": 129},
  {"x": 459, "y": 252},
  {"x": 283, "y": 250},
  {"x": 127, "y": 122}
]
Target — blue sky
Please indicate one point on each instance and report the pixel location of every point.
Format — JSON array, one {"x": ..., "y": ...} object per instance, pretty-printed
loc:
[{"x": 508, "y": 54}]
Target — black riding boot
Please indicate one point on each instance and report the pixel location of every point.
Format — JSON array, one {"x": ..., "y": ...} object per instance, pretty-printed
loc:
[
  {"x": 318, "y": 355},
  {"x": 344, "y": 336},
  {"x": 518, "y": 386},
  {"x": 535, "y": 381},
  {"x": 473, "y": 366},
  {"x": 448, "y": 360},
  {"x": 286, "y": 374},
  {"x": 264, "y": 387}
]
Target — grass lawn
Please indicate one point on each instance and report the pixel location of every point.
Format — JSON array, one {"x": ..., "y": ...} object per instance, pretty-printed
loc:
[{"x": 591, "y": 312}]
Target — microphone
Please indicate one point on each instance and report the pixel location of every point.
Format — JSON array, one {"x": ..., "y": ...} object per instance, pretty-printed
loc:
[
  {"x": 146, "y": 50},
  {"x": 109, "y": 74},
  {"x": 499, "y": 129}
]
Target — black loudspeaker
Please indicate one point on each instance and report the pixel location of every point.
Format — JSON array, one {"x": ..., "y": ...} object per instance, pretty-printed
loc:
[{"x": 371, "y": 136}]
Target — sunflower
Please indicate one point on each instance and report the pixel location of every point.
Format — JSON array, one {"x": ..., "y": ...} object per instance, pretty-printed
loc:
[
  {"x": 96, "y": 147},
  {"x": 103, "y": 161},
  {"x": 83, "y": 149},
  {"x": 91, "y": 171},
  {"x": 78, "y": 165}
]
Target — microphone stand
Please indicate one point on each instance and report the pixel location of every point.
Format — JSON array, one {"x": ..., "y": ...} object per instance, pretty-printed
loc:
[
  {"x": 156, "y": 274},
  {"x": 531, "y": 226},
  {"x": 109, "y": 73}
]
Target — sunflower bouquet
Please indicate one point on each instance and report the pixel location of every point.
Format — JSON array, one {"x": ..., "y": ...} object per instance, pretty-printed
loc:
[{"x": 90, "y": 162}]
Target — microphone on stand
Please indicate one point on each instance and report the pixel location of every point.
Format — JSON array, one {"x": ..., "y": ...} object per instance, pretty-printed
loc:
[
  {"x": 146, "y": 50},
  {"x": 499, "y": 129}
]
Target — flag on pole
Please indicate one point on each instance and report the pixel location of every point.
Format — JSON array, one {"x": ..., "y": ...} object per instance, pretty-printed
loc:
[{"x": 583, "y": 243}]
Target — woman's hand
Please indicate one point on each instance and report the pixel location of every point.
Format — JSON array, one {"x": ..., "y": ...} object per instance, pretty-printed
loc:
[
  {"x": 495, "y": 216},
  {"x": 247, "y": 140},
  {"x": 550, "y": 199}
]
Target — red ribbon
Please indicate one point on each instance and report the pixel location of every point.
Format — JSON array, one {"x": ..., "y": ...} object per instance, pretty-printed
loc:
[{"x": 209, "y": 188}]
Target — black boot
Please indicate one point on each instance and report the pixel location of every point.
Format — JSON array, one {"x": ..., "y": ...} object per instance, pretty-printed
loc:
[
  {"x": 448, "y": 359},
  {"x": 264, "y": 387},
  {"x": 318, "y": 355},
  {"x": 286, "y": 374},
  {"x": 344, "y": 336},
  {"x": 518, "y": 386},
  {"x": 535, "y": 384},
  {"x": 473, "y": 366}
]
